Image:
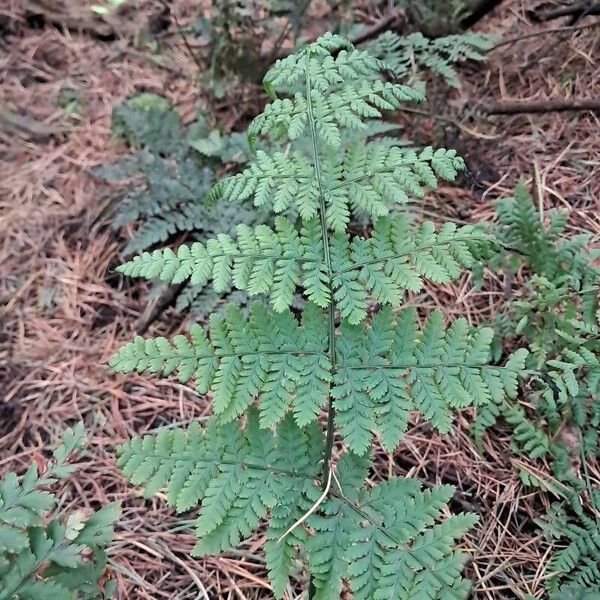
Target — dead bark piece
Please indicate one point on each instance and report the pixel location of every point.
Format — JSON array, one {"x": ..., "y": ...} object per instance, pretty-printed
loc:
[
  {"x": 155, "y": 310},
  {"x": 478, "y": 11},
  {"x": 391, "y": 21},
  {"x": 76, "y": 16}
]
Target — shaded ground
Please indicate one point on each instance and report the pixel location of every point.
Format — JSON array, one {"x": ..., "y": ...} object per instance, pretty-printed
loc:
[{"x": 63, "y": 310}]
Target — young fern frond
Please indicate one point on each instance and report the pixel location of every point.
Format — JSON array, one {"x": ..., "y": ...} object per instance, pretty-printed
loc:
[
  {"x": 556, "y": 315},
  {"x": 370, "y": 179},
  {"x": 388, "y": 541},
  {"x": 541, "y": 246}
]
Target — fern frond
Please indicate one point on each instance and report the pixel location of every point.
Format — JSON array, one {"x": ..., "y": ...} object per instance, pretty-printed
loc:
[
  {"x": 381, "y": 374},
  {"x": 348, "y": 65},
  {"x": 406, "y": 56},
  {"x": 269, "y": 356},
  {"x": 548, "y": 254},
  {"x": 272, "y": 464},
  {"x": 339, "y": 91},
  {"x": 577, "y": 563},
  {"x": 386, "y": 542},
  {"x": 397, "y": 257},
  {"x": 529, "y": 437},
  {"x": 236, "y": 474}
]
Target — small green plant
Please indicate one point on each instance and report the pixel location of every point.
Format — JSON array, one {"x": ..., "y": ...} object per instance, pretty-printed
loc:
[
  {"x": 47, "y": 555},
  {"x": 172, "y": 168},
  {"x": 556, "y": 316},
  {"x": 301, "y": 388},
  {"x": 573, "y": 568}
]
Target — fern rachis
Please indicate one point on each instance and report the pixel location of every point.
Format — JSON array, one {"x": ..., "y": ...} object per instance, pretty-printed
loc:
[{"x": 281, "y": 371}]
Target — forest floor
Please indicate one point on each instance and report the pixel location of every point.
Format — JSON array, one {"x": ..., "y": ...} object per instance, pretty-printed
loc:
[{"x": 63, "y": 310}]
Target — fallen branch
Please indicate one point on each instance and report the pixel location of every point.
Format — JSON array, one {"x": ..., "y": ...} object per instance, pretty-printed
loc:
[
  {"x": 155, "y": 310},
  {"x": 577, "y": 10},
  {"x": 515, "y": 107},
  {"x": 33, "y": 130},
  {"x": 513, "y": 40},
  {"x": 392, "y": 20}
]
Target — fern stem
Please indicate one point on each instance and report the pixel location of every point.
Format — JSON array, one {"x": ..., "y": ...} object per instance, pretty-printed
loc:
[{"x": 331, "y": 312}]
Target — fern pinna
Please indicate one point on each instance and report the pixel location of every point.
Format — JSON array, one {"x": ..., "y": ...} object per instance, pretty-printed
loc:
[{"x": 263, "y": 455}]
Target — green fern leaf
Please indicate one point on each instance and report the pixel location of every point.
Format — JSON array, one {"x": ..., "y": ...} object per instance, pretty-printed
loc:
[
  {"x": 407, "y": 56},
  {"x": 294, "y": 358},
  {"x": 386, "y": 541},
  {"x": 268, "y": 355},
  {"x": 373, "y": 178},
  {"x": 43, "y": 557},
  {"x": 386, "y": 373},
  {"x": 237, "y": 474},
  {"x": 274, "y": 262}
]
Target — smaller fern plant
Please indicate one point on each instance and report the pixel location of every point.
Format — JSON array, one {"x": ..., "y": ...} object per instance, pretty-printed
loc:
[
  {"x": 556, "y": 315},
  {"x": 408, "y": 56},
  {"x": 573, "y": 568},
  {"x": 57, "y": 558},
  {"x": 171, "y": 167},
  {"x": 301, "y": 389}
]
